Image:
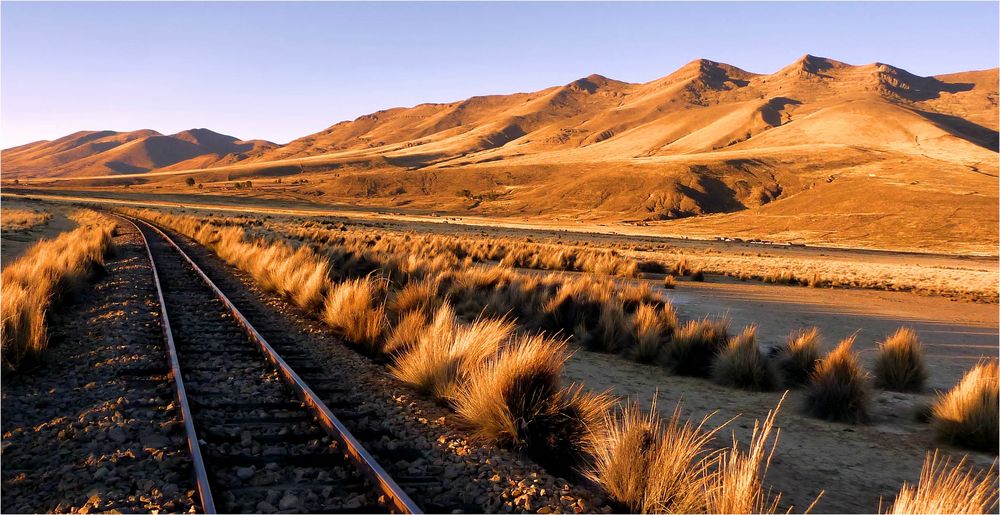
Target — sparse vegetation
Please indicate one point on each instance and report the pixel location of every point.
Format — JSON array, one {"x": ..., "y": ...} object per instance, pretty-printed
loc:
[
  {"x": 45, "y": 276},
  {"x": 742, "y": 365},
  {"x": 968, "y": 414},
  {"x": 838, "y": 389},
  {"x": 797, "y": 359},
  {"x": 649, "y": 465},
  {"x": 900, "y": 362},
  {"x": 695, "y": 345},
  {"x": 948, "y": 489},
  {"x": 22, "y": 219}
]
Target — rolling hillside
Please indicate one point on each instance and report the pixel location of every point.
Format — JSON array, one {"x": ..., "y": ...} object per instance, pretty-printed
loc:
[
  {"x": 94, "y": 153},
  {"x": 819, "y": 150}
]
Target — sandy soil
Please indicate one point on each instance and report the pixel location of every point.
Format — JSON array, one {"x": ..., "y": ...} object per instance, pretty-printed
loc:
[
  {"x": 955, "y": 334},
  {"x": 855, "y": 465},
  {"x": 13, "y": 244}
]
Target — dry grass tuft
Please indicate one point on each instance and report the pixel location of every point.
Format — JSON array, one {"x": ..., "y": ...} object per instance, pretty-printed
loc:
[
  {"x": 838, "y": 389},
  {"x": 797, "y": 359},
  {"x": 21, "y": 219},
  {"x": 694, "y": 346},
  {"x": 507, "y": 390},
  {"x": 448, "y": 351},
  {"x": 514, "y": 399},
  {"x": 406, "y": 333},
  {"x": 650, "y": 465},
  {"x": 735, "y": 484},
  {"x": 420, "y": 296},
  {"x": 669, "y": 282},
  {"x": 47, "y": 274},
  {"x": 968, "y": 414},
  {"x": 900, "y": 362},
  {"x": 352, "y": 308},
  {"x": 946, "y": 489},
  {"x": 649, "y": 330},
  {"x": 742, "y": 365}
]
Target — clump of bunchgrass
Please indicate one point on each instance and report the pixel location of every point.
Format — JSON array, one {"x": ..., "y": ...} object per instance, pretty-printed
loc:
[
  {"x": 838, "y": 389},
  {"x": 797, "y": 359},
  {"x": 742, "y": 365},
  {"x": 695, "y": 345},
  {"x": 899, "y": 365},
  {"x": 967, "y": 414},
  {"x": 946, "y": 489}
]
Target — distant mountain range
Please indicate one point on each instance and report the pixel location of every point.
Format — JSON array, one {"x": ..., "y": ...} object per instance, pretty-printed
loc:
[
  {"x": 707, "y": 138},
  {"x": 88, "y": 153}
]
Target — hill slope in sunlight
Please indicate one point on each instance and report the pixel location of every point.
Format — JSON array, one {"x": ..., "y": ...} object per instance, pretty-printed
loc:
[
  {"x": 819, "y": 149},
  {"x": 96, "y": 153}
]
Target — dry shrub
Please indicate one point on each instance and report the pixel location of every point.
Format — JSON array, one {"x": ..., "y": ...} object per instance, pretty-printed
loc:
[
  {"x": 406, "y": 333},
  {"x": 352, "y": 308},
  {"x": 946, "y": 489},
  {"x": 505, "y": 391},
  {"x": 669, "y": 282},
  {"x": 967, "y": 414},
  {"x": 838, "y": 389},
  {"x": 695, "y": 345},
  {"x": 632, "y": 295},
  {"x": 513, "y": 398},
  {"x": 900, "y": 362},
  {"x": 742, "y": 365},
  {"x": 420, "y": 296},
  {"x": 45, "y": 276},
  {"x": 797, "y": 359},
  {"x": 648, "y": 331},
  {"x": 576, "y": 303},
  {"x": 447, "y": 351},
  {"x": 613, "y": 328},
  {"x": 652, "y": 466},
  {"x": 698, "y": 274}
]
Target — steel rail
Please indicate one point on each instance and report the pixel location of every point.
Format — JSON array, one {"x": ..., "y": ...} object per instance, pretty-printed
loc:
[
  {"x": 198, "y": 462},
  {"x": 362, "y": 459}
]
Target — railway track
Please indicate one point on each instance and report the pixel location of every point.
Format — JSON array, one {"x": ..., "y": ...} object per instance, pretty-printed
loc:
[{"x": 261, "y": 440}]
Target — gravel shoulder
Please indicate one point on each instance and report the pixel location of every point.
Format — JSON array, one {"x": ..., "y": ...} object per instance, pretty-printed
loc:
[{"x": 94, "y": 427}]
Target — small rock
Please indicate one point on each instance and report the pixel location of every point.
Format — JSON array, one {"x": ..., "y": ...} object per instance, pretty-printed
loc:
[
  {"x": 244, "y": 473},
  {"x": 266, "y": 507},
  {"x": 544, "y": 509},
  {"x": 117, "y": 435},
  {"x": 288, "y": 502}
]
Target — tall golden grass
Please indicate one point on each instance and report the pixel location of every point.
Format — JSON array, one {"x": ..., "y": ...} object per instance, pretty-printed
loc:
[
  {"x": 47, "y": 274},
  {"x": 355, "y": 310},
  {"x": 448, "y": 351},
  {"x": 968, "y": 414},
  {"x": 944, "y": 488},
  {"x": 900, "y": 364},
  {"x": 651, "y": 465},
  {"x": 21, "y": 219}
]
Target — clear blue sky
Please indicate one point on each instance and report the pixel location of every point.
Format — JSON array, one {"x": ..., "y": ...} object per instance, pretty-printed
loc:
[{"x": 280, "y": 71}]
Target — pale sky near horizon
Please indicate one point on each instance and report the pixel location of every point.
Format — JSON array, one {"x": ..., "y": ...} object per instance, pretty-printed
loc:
[{"x": 281, "y": 71}]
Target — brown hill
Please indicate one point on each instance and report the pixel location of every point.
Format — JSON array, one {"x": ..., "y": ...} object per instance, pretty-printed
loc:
[
  {"x": 96, "y": 153},
  {"x": 819, "y": 150}
]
